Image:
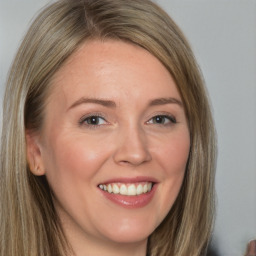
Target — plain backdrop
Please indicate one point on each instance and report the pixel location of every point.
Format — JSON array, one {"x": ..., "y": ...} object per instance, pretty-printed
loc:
[{"x": 222, "y": 34}]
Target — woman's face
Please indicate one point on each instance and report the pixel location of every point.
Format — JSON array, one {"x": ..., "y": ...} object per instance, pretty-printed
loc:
[{"x": 114, "y": 120}]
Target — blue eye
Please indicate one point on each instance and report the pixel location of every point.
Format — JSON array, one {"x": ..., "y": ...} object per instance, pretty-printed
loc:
[
  {"x": 93, "y": 120},
  {"x": 162, "y": 120}
]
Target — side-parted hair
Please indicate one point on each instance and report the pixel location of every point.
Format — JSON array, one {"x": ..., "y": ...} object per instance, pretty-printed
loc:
[{"x": 29, "y": 225}]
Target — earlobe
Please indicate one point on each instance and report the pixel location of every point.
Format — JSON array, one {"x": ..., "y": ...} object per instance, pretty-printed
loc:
[{"x": 34, "y": 154}]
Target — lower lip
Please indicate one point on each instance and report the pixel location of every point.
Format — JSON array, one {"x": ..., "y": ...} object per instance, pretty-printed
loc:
[{"x": 131, "y": 202}]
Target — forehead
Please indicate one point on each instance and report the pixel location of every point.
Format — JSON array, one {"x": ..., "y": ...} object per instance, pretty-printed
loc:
[{"x": 112, "y": 66}]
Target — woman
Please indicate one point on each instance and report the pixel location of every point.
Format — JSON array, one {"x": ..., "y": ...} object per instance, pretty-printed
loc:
[{"x": 108, "y": 144}]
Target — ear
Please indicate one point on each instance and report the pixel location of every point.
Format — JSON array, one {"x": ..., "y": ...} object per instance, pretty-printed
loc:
[{"x": 34, "y": 153}]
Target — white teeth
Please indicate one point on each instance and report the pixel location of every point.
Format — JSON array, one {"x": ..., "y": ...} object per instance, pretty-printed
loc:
[
  {"x": 132, "y": 190},
  {"x": 123, "y": 190},
  {"x": 115, "y": 189},
  {"x": 109, "y": 188},
  {"x": 127, "y": 189},
  {"x": 139, "y": 190}
]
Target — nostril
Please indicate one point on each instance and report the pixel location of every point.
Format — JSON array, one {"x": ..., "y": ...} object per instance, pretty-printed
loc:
[{"x": 131, "y": 150}]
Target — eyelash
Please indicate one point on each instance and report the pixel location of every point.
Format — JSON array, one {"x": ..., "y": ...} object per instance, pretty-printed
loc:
[
  {"x": 171, "y": 120},
  {"x": 84, "y": 120}
]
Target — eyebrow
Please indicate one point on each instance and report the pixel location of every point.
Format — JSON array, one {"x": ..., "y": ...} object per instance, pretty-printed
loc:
[
  {"x": 105, "y": 103},
  {"x": 164, "y": 101},
  {"x": 112, "y": 104}
]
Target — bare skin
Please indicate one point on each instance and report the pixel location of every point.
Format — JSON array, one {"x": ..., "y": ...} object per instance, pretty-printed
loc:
[{"x": 114, "y": 117}]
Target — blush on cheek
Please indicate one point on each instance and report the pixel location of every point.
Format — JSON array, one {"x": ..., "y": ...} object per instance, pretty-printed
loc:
[
  {"x": 176, "y": 158},
  {"x": 79, "y": 161}
]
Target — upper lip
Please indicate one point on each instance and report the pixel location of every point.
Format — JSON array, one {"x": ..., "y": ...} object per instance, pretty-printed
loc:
[{"x": 130, "y": 180}]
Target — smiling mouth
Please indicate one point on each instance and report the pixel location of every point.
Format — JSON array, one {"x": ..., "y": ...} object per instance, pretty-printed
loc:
[{"x": 131, "y": 189}]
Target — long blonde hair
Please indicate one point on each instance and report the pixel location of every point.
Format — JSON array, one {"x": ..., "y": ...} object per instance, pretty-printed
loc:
[{"x": 28, "y": 222}]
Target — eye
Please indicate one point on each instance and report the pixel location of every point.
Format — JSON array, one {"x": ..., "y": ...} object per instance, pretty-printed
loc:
[
  {"x": 93, "y": 120},
  {"x": 162, "y": 120}
]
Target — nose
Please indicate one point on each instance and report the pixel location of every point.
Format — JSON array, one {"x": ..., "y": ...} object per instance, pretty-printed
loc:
[{"x": 132, "y": 148}]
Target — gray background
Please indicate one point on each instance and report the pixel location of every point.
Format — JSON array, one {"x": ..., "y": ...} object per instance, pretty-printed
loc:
[{"x": 223, "y": 36}]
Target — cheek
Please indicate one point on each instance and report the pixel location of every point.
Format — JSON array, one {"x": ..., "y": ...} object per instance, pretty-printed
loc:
[
  {"x": 73, "y": 161},
  {"x": 72, "y": 168},
  {"x": 174, "y": 154},
  {"x": 173, "y": 158}
]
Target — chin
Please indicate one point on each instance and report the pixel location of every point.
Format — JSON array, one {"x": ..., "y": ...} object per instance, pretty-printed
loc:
[{"x": 129, "y": 231}]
